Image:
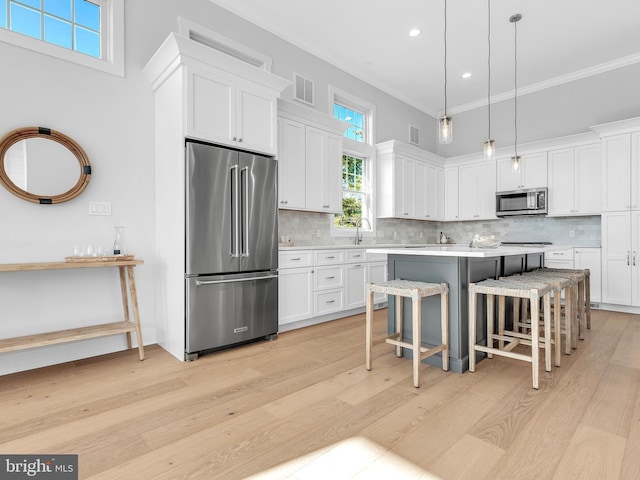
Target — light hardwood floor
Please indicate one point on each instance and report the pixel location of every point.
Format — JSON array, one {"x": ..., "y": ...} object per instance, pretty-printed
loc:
[{"x": 304, "y": 407}]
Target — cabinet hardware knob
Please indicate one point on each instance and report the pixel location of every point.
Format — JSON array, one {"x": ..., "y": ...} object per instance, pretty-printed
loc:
[
  {"x": 240, "y": 140},
  {"x": 329, "y": 278},
  {"x": 296, "y": 259},
  {"x": 627, "y": 258},
  {"x": 234, "y": 139},
  {"x": 330, "y": 301}
]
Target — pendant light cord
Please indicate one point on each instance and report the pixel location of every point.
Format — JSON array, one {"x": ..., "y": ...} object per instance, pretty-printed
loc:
[
  {"x": 515, "y": 89},
  {"x": 445, "y": 58},
  {"x": 489, "y": 65}
]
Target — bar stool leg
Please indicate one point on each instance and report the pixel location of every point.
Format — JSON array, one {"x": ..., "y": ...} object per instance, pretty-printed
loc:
[
  {"x": 581, "y": 310},
  {"x": 473, "y": 305},
  {"x": 535, "y": 338},
  {"x": 417, "y": 336},
  {"x": 490, "y": 317},
  {"x": 369, "y": 320},
  {"x": 516, "y": 315},
  {"x": 444, "y": 326},
  {"x": 547, "y": 332},
  {"x": 574, "y": 317},
  {"x": 502, "y": 302},
  {"x": 557, "y": 320},
  {"x": 568, "y": 320},
  {"x": 587, "y": 295},
  {"x": 399, "y": 316}
]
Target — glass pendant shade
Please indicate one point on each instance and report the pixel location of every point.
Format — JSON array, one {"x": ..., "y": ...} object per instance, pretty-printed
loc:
[
  {"x": 515, "y": 163},
  {"x": 445, "y": 130},
  {"x": 489, "y": 149}
]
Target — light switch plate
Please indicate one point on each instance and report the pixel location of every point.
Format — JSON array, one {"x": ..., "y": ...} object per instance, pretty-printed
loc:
[{"x": 99, "y": 208}]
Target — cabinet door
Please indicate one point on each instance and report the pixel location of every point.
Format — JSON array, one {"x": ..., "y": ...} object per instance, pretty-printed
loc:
[
  {"x": 486, "y": 188},
  {"x": 588, "y": 180},
  {"x": 616, "y": 173},
  {"x": 377, "y": 273},
  {"x": 295, "y": 295},
  {"x": 421, "y": 191},
  {"x": 534, "y": 170},
  {"x": 291, "y": 164},
  {"x": 561, "y": 182},
  {"x": 356, "y": 276},
  {"x": 211, "y": 107},
  {"x": 451, "y": 194},
  {"x": 432, "y": 192},
  {"x": 635, "y": 170},
  {"x": 405, "y": 187},
  {"x": 590, "y": 258},
  {"x": 635, "y": 258},
  {"x": 616, "y": 258},
  {"x": 256, "y": 119},
  {"x": 333, "y": 164},
  {"x": 439, "y": 194},
  {"x": 468, "y": 192},
  {"x": 506, "y": 178},
  {"x": 319, "y": 171}
]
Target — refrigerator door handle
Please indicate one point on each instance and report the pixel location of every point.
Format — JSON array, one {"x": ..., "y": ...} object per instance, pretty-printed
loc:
[
  {"x": 235, "y": 236},
  {"x": 200, "y": 283},
  {"x": 244, "y": 184}
]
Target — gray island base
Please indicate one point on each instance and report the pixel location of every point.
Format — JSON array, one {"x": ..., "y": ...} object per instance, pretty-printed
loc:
[{"x": 458, "y": 266}]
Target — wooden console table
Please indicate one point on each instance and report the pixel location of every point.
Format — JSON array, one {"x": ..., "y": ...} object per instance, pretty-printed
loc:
[{"x": 50, "y": 338}]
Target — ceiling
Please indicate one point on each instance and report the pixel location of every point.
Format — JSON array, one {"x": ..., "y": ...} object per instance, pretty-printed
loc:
[{"x": 557, "y": 41}]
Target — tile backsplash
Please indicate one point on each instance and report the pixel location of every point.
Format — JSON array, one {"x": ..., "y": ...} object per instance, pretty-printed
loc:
[{"x": 309, "y": 228}]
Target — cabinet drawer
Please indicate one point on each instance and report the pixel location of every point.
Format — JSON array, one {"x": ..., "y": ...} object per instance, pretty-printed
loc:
[
  {"x": 329, "y": 257},
  {"x": 565, "y": 255},
  {"x": 295, "y": 258},
  {"x": 329, "y": 277},
  {"x": 376, "y": 257},
  {"x": 355, "y": 256},
  {"x": 328, "y": 302}
]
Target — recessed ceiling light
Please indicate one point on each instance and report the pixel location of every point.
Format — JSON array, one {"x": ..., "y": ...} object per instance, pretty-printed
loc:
[
  {"x": 466, "y": 75},
  {"x": 414, "y": 32}
]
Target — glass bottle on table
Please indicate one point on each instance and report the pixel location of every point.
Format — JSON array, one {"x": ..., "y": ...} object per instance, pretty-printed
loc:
[{"x": 118, "y": 244}]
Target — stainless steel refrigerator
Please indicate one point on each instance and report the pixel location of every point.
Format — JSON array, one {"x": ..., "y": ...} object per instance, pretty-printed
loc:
[{"x": 231, "y": 245}]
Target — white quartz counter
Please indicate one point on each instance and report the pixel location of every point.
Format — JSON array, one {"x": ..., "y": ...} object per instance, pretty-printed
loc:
[
  {"x": 283, "y": 247},
  {"x": 462, "y": 251}
]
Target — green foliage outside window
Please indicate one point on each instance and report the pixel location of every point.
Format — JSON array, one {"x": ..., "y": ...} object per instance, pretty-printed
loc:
[{"x": 353, "y": 192}]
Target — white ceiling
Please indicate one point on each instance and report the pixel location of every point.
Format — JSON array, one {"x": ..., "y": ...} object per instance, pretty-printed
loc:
[{"x": 558, "y": 41}]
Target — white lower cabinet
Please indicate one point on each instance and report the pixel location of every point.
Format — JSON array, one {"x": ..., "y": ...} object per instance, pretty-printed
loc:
[
  {"x": 318, "y": 285},
  {"x": 589, "y": 257},
  {"x": 295, "y": 294},
  {"x": 620, "y": 258}
]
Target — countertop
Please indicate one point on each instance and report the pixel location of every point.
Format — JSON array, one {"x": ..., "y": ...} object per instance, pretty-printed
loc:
[
  {"x": 463, "y": 251},
  {"x": 283, "y": 247}
]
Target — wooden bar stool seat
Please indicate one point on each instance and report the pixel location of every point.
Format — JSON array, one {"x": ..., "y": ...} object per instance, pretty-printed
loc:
[
  {"x": 507, "y": 340},
  {"x": 415, "y": 291}
]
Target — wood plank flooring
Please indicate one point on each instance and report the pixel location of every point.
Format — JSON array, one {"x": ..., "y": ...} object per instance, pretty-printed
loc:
[{"x": 305, "y": 407}]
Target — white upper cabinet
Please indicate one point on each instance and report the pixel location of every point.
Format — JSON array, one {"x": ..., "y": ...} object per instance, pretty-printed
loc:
[
  {"x": 310, "y": 160},
  {"x": 410, "y": 182},
  {"x": 620, "y": 172},
  {"x": 532, "y": 172},
  {"x": 477, "y": 191},
  {"x": 226, "y": 110},
  {"x": 291, "y": 164},
  {"x": 575, "y": 181},
  {"x": 451, "y": 194}
]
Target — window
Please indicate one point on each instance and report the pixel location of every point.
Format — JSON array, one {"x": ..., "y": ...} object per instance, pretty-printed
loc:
[
  {"x": 358, "y": 201},
  {"x": 354, "y": 118},
  {"x": 354, "y": 194},
  {"x": 88, "y": 32}
]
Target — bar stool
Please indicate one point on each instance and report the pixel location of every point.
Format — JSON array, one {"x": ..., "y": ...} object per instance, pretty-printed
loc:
[
  {"x": 416, "y": 291},
  {"x": 583, "y": 278},
  {"x": 533, "y": 291}
]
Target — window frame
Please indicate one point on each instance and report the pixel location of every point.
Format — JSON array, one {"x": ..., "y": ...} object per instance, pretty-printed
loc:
[
  {"x": 111, "y": 41},
  {"x": 364, "y": 150}
]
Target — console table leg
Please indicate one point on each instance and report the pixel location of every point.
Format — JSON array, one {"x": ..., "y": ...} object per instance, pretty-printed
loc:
[
  {"x": 136, "y": 313},
  {"x": 125, "y": 302}
]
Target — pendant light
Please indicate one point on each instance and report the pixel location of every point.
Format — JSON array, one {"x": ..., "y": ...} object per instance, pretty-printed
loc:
[
  {"x": 445, "y": 127},
  {"x": 489, "y": 145},
  {"x": 515, "y": 160}
]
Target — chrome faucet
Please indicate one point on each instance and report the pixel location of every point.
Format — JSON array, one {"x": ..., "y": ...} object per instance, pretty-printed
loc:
[{"x": 358, "y": 223}]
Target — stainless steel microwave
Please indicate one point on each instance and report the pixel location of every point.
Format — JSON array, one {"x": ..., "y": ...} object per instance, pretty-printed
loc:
[{"x": 530, "y": 201}]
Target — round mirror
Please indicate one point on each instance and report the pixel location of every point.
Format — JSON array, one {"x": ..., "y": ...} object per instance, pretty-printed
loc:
[{"x": 43, "y": 166}]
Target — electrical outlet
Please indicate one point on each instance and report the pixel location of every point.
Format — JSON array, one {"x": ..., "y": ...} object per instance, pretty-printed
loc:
[
  {"x": 572, "y": 233},
  {"x": 99, "y": 208}
]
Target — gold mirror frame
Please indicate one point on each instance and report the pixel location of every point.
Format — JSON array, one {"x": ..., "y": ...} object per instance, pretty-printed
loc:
[{"x": 40, "y": 132}]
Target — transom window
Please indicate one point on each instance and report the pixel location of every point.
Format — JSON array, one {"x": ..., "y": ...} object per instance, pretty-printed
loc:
[
  {"x": 353, "y": 117},
  {"x": 72, "y": 24},
  {"x": 86, "y": 32}
]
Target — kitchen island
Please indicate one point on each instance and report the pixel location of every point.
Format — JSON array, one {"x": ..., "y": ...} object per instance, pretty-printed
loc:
[{"x": 458, "y": 266}]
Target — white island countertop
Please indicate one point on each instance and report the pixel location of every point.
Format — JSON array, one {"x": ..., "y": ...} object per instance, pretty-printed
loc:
[{"x": 464, "y": 251}]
